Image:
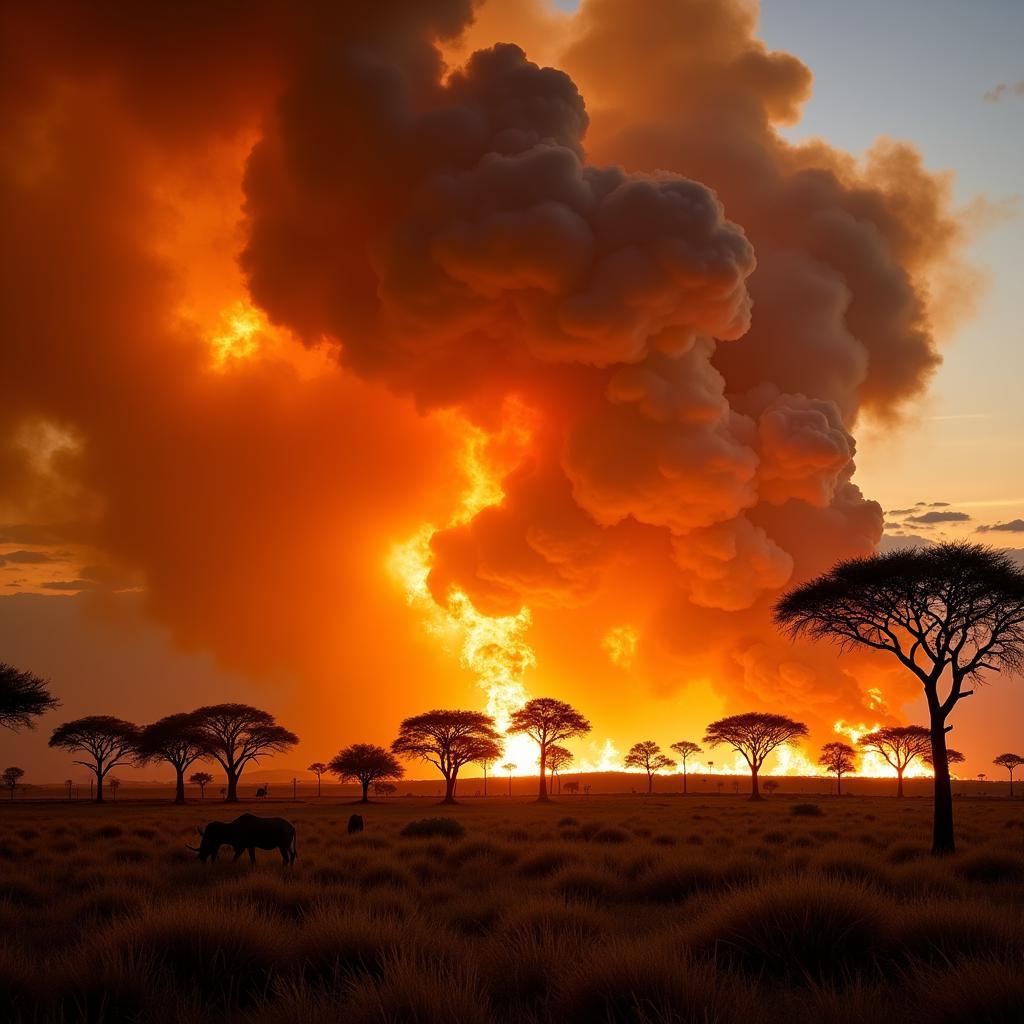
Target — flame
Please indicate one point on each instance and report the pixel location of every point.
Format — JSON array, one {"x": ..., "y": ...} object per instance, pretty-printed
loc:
[
  {"x": 873, "y": 765},
  {"x": 238, "y": 333},
  {"x": 493, "y": 648},
  {"x": 619, "y": 644}
]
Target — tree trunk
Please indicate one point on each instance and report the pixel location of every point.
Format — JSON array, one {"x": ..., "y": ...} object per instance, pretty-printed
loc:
[
  {"x": 1011, "y": 783},
  {"x": 366, "y": 792},
  {"x": 839, "y": 783},
  {"x": 542, "y": 796},
  {"x": 232, "y": 797},
  {"x": 99, "y": 787},
  {"x": 650, "y": 783},
  {"x": 485, "y": 780},
  {"x": 684, "y": 780},
  {"x": 449, "y": 791},
  {"x": 755, "y": 791},
  {"x": 318, "y": 787},
  {"x": 899, "y": 782},
  {"x": 179, "y": 786},
  {"x": 943, "y": 839}
]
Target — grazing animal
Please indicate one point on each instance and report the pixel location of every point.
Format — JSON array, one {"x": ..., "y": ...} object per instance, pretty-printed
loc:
[
  {"x": 247, "y": 832},
  {"x": 355, "y": 823},
  {"x": 262, "y": 791}
]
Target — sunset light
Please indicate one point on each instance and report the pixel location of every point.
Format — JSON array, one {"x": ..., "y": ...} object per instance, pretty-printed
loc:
[{"x": 530, "y": 488}]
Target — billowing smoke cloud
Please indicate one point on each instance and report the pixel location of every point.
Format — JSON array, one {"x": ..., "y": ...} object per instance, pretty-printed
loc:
[{"x": 691, "y": 311}]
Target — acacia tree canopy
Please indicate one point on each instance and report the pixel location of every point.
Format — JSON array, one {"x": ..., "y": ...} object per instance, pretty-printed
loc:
[
  {"x": 235, "y": 734},
  {"x": 177, "y": 739},
  {"x": 950, "y": 614},
  {"x": 754, "y": 735},
  {"x": 107, "y": 741},
  {"x": 366, "y": 763},
  {"x": 547, "y": 721},
  {"x": 448, "y": 739},
  {"x": 647, "y": 756},
  {"x": 23, "y": 697}
]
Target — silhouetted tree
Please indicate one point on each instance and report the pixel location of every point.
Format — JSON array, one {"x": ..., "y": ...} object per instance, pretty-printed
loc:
[
  {"x": 899, "y": 745},
  {"x": 68, "y": 783},
  {"x": 509, "y": 767},
  {"x": 177, "y": 739},
  {"x": 115, "y": 785},
  {"x": 547, "y": 721},
  {"x": 770, "y": 786},
  {"x": 11, "y": 777},
  {"x": 107, "y": 741},
  {"x": 838, "y": 760},
  {"x": 23, "y": 697},
  {"x": 1009, "y": 762},
  {"x": 754, "y": 735},
  {"x": 202, "y": 780},
  {"x": 648, "y": 757},
  {"x": 366, "y": 763},
  {"x": 448, "y": 740},
  {"x": 317, "y": 768},
  {"x": 235, "y": 734},
  {"x": 384, "y": 789},
  {"x": 685, "y": 749},
  {"x": 486, "y": 763},
  {"x": 572, "y": 787},
  {"x": 559, "y": 757},
  {"x": 948, "y": 613}
]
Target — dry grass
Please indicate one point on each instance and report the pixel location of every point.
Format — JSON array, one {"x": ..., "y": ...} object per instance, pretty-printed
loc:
[{"x": 638, "y": 910}]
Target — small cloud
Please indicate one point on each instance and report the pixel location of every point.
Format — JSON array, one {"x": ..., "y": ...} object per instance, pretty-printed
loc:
[
  {"x": 939, "y": 504},
  {"x": 1002, "y": 90},
  {"x": 29, "y": 557},
  {"x": 893, "y": 526},
  {"x": 78, "y": 584},
  {"x": 1013, "y": 526},
  {"x": 899, "y": 512},
  {"x": 930, "y": 518}
]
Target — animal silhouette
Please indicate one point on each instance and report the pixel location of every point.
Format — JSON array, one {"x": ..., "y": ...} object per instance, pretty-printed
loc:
[{"x": 247, "y": 832}]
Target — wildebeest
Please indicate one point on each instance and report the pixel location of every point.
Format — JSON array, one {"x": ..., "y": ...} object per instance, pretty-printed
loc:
[
  {"x": 247, "y": 832},
  {"x": 355, "y": 823}
]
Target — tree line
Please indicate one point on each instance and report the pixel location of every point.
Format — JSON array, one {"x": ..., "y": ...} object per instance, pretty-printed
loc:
[{"x": 951, "y": 614}]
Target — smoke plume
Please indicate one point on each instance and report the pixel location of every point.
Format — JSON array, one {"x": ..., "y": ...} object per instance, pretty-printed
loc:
[{"x": 272, "y": 272}]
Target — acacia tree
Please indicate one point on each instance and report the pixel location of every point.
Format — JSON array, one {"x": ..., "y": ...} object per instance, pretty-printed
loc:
[
  {"x": 23, "y": 697},
  {"x": 1009, "y": 762},
  {"x": 202, "y": 780},
  {"x": 106, "y": 741},
  {"x": 547, "y": 721},
  {"x": 317, "y": 768},
  {"x": 448, "y": 740},
  {"x": 486, "y": 764},
  {"x": 509, "y": 767},
  {"x": 950, "y": 614},
  {"x": 899, "y": 745},
  {"x": 754, "y": 735},
  {"x": 177, "y": 739},
  {"x": 366, "y": 763},
  {"x": 559, "y": 757},
  {"x": 647, "y": 756},
  {"x": 685, "y": 749},
  {"x": 235, "y": 734},
  {"x": 11, "y": 777},
  {"x": 838, "y": 760}
]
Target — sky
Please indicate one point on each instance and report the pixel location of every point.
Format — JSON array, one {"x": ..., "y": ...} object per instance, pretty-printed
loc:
[{"x": 350, "y": 373}]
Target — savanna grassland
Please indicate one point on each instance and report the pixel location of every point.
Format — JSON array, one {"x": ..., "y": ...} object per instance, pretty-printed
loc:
[{"x": 646, "y": 909}]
